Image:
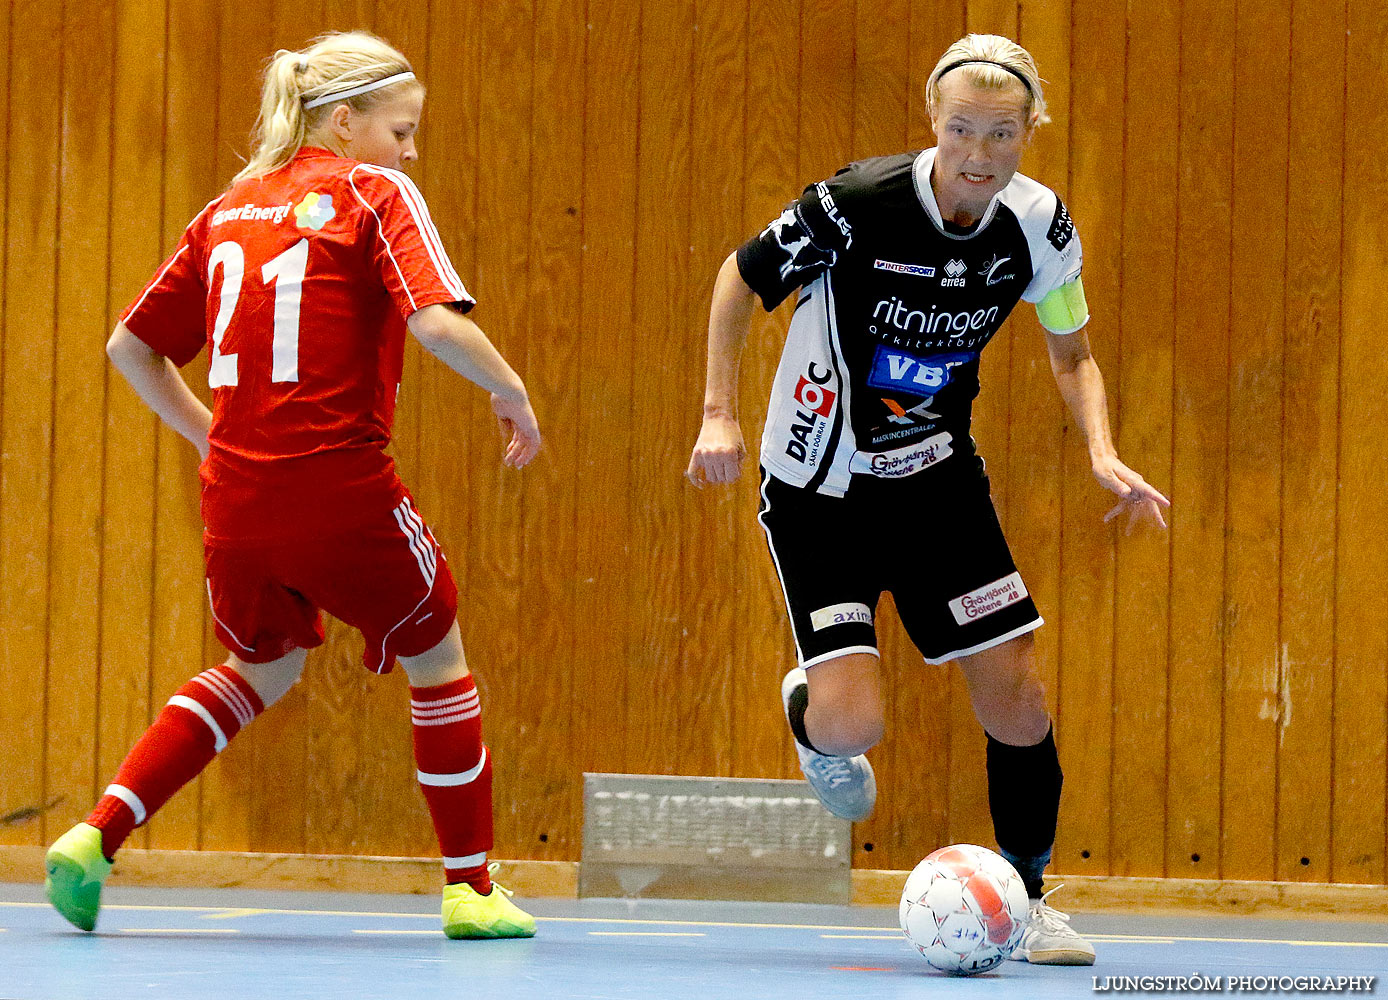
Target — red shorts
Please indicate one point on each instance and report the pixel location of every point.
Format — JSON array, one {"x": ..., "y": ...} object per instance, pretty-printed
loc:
[{"x": 387, "y": 578}]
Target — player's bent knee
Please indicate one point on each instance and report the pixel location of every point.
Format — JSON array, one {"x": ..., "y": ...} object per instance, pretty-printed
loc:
[
  {"x": 844, "y": 734},
  {"x": 844, "y": 715},
  {"x": 1020, "y": 719},
  {"x": 272, "y": 680},
  {"x": 854, "y": 742},
  {"x": 441, "y": 664}
]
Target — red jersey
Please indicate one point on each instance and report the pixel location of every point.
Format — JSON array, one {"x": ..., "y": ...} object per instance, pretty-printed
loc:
[{"x": 299, "y": 283}]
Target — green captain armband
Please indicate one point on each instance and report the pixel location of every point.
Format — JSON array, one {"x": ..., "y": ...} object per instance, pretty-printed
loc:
[{"x": 1064, "y": 309}]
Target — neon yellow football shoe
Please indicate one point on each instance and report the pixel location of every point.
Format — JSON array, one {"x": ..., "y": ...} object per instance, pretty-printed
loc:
[
  {"x": 76, "y": 871},
  {"x": 467, "y": 914}
]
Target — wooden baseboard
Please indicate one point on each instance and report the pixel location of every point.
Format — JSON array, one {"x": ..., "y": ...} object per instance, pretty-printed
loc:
[
  {"x": 299, "y": 872},
  {"x": 342, "y": 873},
  {"x": 1178, "y": 896}
]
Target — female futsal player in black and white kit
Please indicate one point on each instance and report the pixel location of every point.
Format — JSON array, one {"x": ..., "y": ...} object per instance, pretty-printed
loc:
[{"x": 906, "y": 266}]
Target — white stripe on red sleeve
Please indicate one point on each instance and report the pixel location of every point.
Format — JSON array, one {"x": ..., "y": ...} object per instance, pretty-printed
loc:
[
  {"x": 424, "y": 224},
  {"x": 380, "y": 229}
]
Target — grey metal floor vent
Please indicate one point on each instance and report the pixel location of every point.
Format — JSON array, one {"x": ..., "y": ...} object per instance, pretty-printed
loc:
[{"x": 711, "y": 838}]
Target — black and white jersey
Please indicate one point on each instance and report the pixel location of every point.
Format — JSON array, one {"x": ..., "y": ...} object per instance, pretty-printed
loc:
[{"x": 880, "y": 366}]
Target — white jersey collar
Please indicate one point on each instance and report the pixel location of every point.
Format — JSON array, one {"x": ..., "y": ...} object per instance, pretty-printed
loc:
[{"x": 925, "y": 194}]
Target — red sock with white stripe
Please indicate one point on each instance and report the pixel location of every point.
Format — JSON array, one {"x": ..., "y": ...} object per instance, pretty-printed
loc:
[
  {"x": 197, "y": 723},
  {"x": 455, "y": 774}
]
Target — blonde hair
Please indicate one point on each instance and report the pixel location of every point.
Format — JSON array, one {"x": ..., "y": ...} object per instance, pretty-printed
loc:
[
  {"x": 332, "y": 63},
  {"x": 991, "y": 62}
]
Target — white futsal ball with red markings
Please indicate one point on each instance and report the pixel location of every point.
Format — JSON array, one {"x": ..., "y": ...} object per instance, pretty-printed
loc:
[{"x": 964, "y": 908}]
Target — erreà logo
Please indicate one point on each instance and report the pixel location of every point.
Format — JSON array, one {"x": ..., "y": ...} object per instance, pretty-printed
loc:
[{"x": 954, "y": 272}]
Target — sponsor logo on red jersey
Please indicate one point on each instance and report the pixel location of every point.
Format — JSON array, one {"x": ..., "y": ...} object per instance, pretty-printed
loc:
[{"x": 315, "y": 211}]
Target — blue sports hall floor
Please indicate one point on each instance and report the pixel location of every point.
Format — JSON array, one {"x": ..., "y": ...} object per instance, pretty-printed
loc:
[{"x": 232, "y": 944}]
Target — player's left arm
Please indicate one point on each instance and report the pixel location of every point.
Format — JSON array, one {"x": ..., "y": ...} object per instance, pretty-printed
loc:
[
  {"x": 460, "y": 344},
  {"x": 1081, "y": 385}
]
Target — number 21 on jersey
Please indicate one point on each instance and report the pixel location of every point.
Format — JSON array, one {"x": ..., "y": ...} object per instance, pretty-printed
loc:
[{"x": 286, "y": 274}]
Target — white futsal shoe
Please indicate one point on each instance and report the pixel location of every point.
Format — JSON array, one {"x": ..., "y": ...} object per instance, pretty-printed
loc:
[
  {"x": 1050, "y": 940},
  {"x": 845, "y": 786}
]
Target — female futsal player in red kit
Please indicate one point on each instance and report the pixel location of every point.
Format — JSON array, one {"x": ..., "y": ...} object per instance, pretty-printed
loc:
[{"x": 301, "y": 281}]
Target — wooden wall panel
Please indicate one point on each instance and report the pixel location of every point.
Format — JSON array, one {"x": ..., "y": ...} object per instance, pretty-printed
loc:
[
  {"x": 763, "y": 648},
  {"x": 504, "y": 270},
  {"x": 589, "y": 166},
  {"x": 76, "y": 519},
  {"x": 26, "y": 405},
  {"x": 714, "y": 607},
  {"x": 1144, "y": 373},
  {"x": 1082, "y": 616},
  {"x": 667, "y": 710},
  {"x": 549, "y": 813},
  {"x": 1199, "y": 422},
  {"x": 126, "y": 594},
  {"x": 1361, "y": 625},
  {"x": 1253, "y": 688},
  {"x": 1310, "y": 434},
  {"x": 606, "y": 378}
]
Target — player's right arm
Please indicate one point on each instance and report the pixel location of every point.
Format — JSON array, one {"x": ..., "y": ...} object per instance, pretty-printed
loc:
[
  {"x": 796, "y": 248},
  {"x": 162, "y": 331},
  {"x": 719, "y": 451},
  {"x": 156, "y": 380},
  {"x": 460, "y": 344},
  {"x": 412, "y": 263}
]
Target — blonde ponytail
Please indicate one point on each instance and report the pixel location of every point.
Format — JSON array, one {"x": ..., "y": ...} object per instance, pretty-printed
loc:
[{"x": 332, "y": 63}]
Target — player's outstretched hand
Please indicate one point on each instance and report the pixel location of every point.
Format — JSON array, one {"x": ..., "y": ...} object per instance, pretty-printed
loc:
[
  {"x": 1141, "y": 501},
  {"x": 519, "y": 427},
  {"x": 718, "y": 453}
]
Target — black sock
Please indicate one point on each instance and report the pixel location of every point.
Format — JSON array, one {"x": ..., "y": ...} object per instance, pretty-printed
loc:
[
  {"x": 796, "y": 705},
  {"x": 1024, "y": 799}
]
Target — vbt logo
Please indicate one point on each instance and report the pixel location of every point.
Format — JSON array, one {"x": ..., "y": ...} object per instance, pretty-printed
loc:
[
  {"x": 906, "y": 372},
  {"x": 897, "y": 371},
  {"x": 807, "y": 430}
]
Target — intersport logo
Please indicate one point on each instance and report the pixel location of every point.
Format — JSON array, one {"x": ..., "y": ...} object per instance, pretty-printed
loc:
[{"x": 918, "y": 270}]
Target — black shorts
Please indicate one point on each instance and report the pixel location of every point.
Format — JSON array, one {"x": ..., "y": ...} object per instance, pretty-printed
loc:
[{"x": 934, "y": 543}]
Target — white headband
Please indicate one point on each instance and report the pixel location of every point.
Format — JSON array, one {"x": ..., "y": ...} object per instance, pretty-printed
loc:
[{"x": 365, "y": 88}]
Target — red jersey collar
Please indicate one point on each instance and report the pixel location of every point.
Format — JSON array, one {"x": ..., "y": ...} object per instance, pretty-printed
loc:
[{"x": 315, "y": 152}]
